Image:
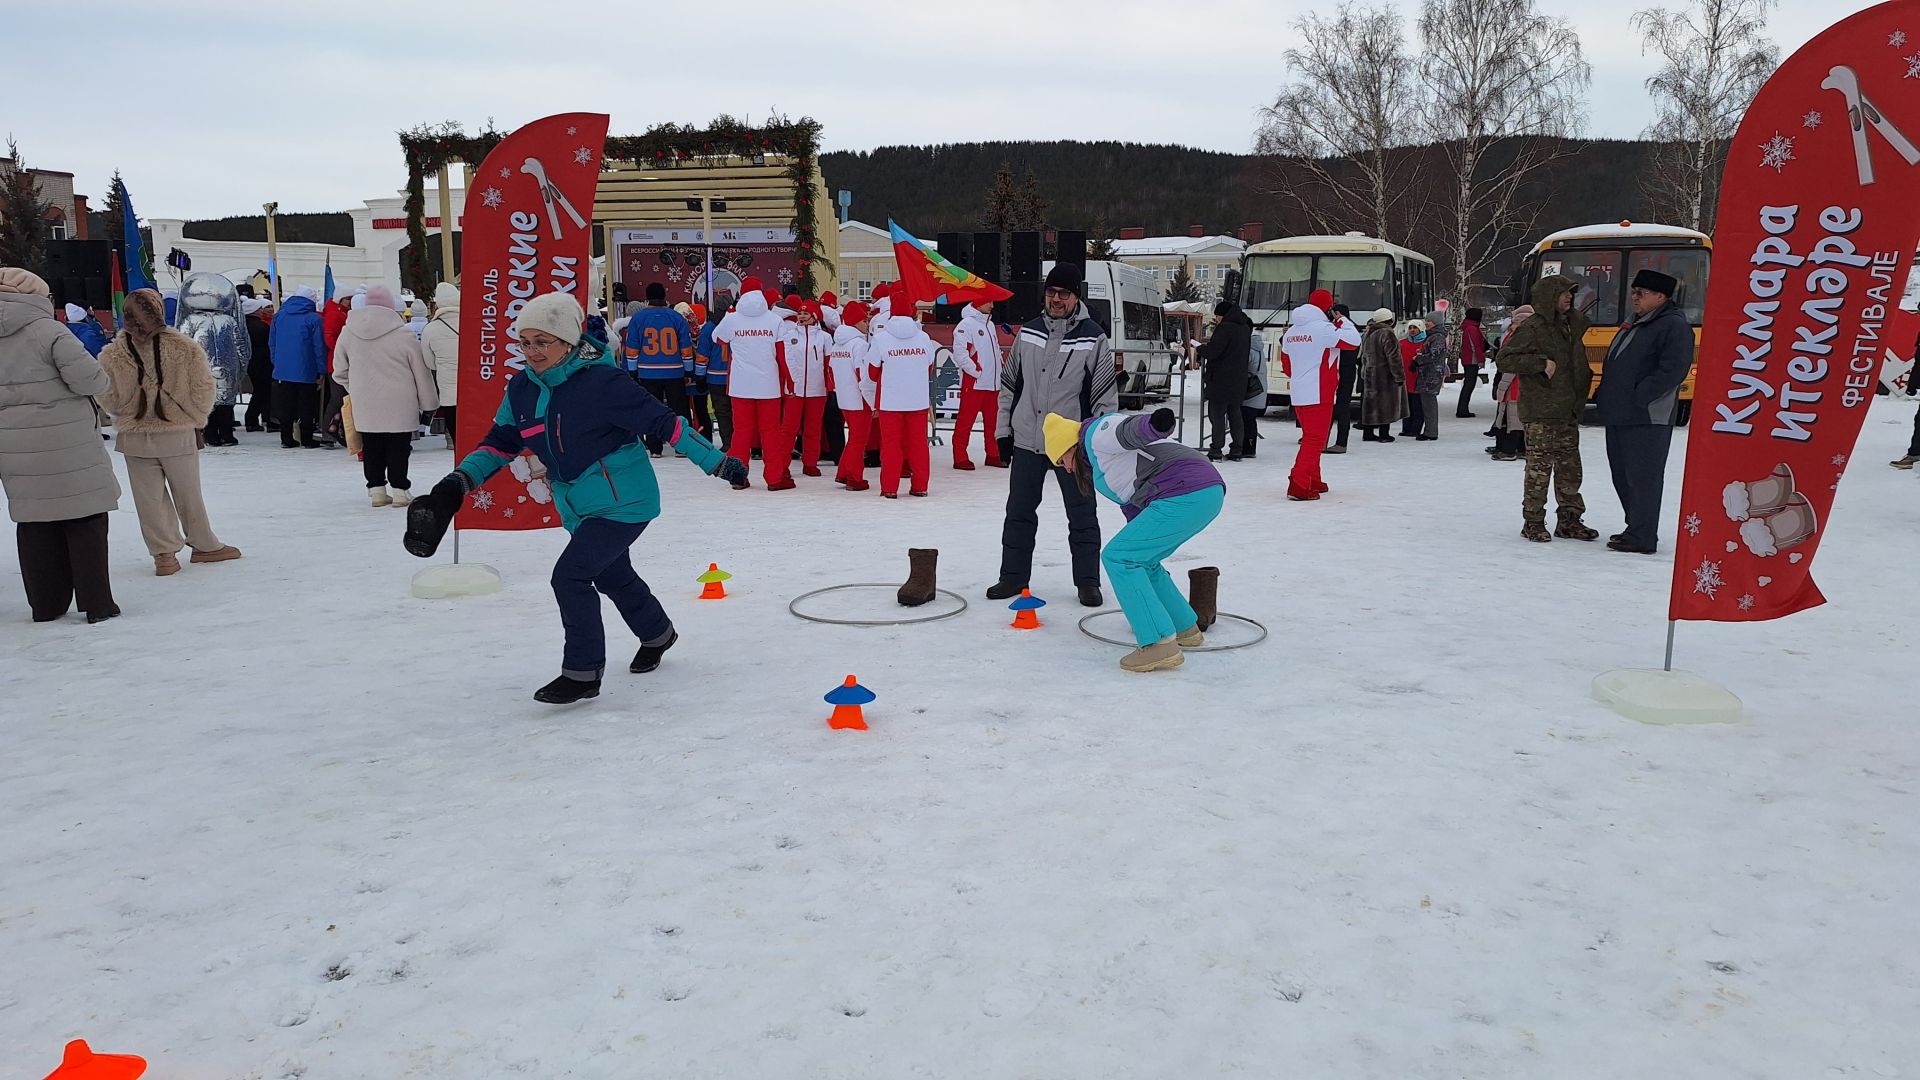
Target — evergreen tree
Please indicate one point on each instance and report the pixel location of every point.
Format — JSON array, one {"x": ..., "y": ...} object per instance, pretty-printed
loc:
[
  {"x": 115, "y": 224},
  {"x": 1002, "y": 200},
  {"x": 1183, "y": 287},
  {"x": 1100, "y": 241},
  {"x": 1031, "y": 207},
  {"x": 23, "y": 221}
]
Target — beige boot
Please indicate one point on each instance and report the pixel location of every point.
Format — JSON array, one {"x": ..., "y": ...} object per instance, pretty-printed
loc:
[
  {"x": 1907, "y": 462},
  {"x": 166, "y": 565},
  {"x": 379, "y": 495},
  {"x": 1160, "y": 654},
  {"x": 402, "y": 497},
  {"x": 223, "y": 553},
  {"x": 1190, "y": 638}
]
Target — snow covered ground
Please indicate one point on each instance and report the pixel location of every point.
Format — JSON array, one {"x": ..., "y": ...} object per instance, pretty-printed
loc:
[{"x": 282, "y": 820}]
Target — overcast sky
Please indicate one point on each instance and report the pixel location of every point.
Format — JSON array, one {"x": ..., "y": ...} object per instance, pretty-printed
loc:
[{"x": 238, "y": 104}]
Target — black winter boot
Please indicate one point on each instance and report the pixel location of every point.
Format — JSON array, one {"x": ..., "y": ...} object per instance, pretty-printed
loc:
[
  {"x": 1000, "y": 590},
  {"x": 1203, "y": 592},
  {"x": 565, "y": 691},
  {"x": 920, "y": 578},
  {"x": 648, "y": 658},
  {"x": 1091, "y": 596}
]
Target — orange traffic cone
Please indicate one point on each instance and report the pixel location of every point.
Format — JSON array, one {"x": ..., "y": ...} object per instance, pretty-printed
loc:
[
  {"x": 846, "y": 700},
  {"x": 712, "y": 579},
  {"x": 81, "y": 1063},
  {"x": 1026, "y": 611}
]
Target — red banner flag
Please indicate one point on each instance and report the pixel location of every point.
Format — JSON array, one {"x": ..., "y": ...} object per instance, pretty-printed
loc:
[
  {"x": 527, "y": 231},
  {"x": 1818, "y": 221}
]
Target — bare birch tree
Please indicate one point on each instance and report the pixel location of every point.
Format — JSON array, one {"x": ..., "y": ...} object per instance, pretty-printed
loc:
[
  {"x": 1352, "y": 98},
  {"x": 1714, "y": 57},
  {"x": 1504, "y": 83}
]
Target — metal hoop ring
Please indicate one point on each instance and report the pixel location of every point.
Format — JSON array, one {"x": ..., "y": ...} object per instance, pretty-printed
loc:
[
  {"x": 1204, "y": 648},
  {"x": 794, "y": 610}
]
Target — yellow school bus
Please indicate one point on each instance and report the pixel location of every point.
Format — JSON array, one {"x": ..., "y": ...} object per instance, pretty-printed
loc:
[{"x": 1603, "y": 260}]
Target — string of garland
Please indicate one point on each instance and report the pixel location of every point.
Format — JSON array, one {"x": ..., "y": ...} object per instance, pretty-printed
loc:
[{"x": 430, "y": 147}]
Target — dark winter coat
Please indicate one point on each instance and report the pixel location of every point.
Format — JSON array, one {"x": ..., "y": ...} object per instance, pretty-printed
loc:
[
  {"x": 299, "y": 350},
  {"x": 1551, "y": 334},
  {"x": 1640, "y": 382},
  {"x": 1224, "y": 357},
  {"x": 1430, "y": 366},
  {"x": 1383, "y": 397},
  {"x": 262, "y": 362}
]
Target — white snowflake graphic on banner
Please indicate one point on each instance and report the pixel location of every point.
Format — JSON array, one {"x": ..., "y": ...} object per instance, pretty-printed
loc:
[
  {"x": 1913, "y": 66},
  {"x": 1897, "y": 38},
  {"x": 483, "y": 500},
  {"x": 1839, "y": 459},
  {"x": 492, "y": 198},
  {"x": 573, "y": 131},
  {"x": 508, "y": 512},
  {"x": 636, "y": 266},
  {"x": 506, "y": 174},
  {"x": 1746, "y": 602},
  {"x": 1707, "y": 579},
  {"x": 582, "y": 156},
  {"x": 786, "y": 276},
  {"x": 1693, "y": 524},
  {"x": 1812, "y": 119},
  {"x": 1776, "y": 152}
]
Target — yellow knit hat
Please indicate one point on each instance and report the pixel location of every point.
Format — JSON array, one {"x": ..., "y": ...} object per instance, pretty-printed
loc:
[{"x": 1061, "y": 434}]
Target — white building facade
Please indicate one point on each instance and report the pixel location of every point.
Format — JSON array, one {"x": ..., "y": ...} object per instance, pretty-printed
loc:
[{"x": 1207, "y": 258}]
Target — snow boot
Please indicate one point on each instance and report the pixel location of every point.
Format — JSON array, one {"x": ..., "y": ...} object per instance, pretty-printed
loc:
[
  {"x": 1003, "y": 589},
  {"x": 785, "y": 483},
  {"x": 1574, "y": 529},
  {"x": 402, "y": 497},
  {"x": 166, "y": 565},
  {"x": 920, "y": 578},
  {"x": 1203, "y": 592},
  {"x": 1190, "y": 638},
  {"x": 1091, "y": 596},
  {"x": 565, "y": 691},
  {"x": 1536, "y": 531},
  {"x": 1906, "y": 462},
  {"x": 1161, "y": 654},
  {"x": 102, "y": 616},
  {"x": 223, "y": 553},
  {"x": 648, "y": 658},
  {"x": 378, "y": 496}
]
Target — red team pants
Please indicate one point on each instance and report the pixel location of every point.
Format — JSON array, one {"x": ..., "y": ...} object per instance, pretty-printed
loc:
[
  {"x": 758, "y": 422},
  {"x": 905, "y": 445},
  {"x": 806, "y": 419},
  {"x": 984, "y": 404},
  {"x": 853, "y": 460},
  {"x": 1314, "y": 422}
]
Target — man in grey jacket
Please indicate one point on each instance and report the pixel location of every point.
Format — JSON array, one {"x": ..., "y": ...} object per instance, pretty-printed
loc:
[
  {"x": 1638, "y": 401},
  {"x": 1061, "y": 363}
]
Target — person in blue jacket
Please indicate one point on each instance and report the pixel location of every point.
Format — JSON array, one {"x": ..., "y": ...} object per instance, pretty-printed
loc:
[
  {"x": 713, "y": 363},
  {"x": 575, "y": 410},
  {"x": 299, "y": 348},
  {"x": 659, "y": 353},
  {"x": 86, "y": 328}
]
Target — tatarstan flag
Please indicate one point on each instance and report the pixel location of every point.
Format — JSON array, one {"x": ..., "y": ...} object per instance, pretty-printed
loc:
[{"x": 927, "y": 276}]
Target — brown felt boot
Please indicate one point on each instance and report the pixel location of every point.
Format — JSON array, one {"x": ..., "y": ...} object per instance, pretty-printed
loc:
[
  {"x": 1203, "y": 592},
  {"x": 920, "y": 582}
]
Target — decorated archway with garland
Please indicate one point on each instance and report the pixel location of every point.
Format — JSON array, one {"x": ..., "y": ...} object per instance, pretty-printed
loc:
[{"x": 431, "y": 148}]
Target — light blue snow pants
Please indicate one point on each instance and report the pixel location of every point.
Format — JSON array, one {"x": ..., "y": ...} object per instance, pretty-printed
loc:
[{"x": 1153, "y": 604}]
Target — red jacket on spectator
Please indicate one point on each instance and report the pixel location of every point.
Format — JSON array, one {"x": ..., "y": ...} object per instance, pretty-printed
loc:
[{"x": 332, "y": 322}]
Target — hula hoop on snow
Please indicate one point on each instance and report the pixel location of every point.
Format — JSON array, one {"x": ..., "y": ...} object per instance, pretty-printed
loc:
[
  {"x": 794, "y": 609},
  {"x": 1129, "y": 644}
]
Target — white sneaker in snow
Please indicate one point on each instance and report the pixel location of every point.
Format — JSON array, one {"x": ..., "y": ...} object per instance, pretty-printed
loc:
[
  {"x": 401, "y": 496},
  {"x": 379, "y": 496}
]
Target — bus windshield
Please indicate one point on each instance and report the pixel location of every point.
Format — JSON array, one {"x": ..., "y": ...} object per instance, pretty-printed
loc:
[
  {"x": 1362, "y": 282},
  {"x": 1686, "y": 265},
  {"x": 1596, "y": 273},
  {"x": 1277, "y": 282}
]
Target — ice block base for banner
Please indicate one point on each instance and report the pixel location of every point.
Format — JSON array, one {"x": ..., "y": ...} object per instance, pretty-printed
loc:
[
  {"x": 458, "y": 579},
  {"x": 1652, "y": 696}
]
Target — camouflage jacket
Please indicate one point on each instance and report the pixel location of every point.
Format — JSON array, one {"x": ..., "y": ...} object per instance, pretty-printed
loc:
[{"x": 1556, "y": 336}]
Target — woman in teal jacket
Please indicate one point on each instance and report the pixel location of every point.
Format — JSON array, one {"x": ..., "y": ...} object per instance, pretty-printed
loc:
[{"x": 575, "y": 410}]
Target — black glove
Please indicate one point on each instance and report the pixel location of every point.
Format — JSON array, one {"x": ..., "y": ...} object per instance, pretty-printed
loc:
[
  {"x": 1006, "y": 447},
  {"x": 1162, "y": 421},
  {"x": 732, "y": 470},
  {"x": 432, "y": 514}
]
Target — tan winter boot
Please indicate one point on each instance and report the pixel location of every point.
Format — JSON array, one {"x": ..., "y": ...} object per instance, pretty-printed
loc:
[
  {"x": 920, "y": 580},
  {"x": 402, "y": 497},
  {"x": 1190, "y": 638},
  {"x": 378, "y": 495},
  {"x": 1203, "y": 592},
  {"x": 166, "y": 565},
  {"x": 223, "y": 553},
  {"x": 1161, "y": 654}
]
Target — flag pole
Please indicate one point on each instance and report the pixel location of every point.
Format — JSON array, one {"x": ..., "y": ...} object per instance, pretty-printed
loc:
[{"x": 1670, "y": 625}]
